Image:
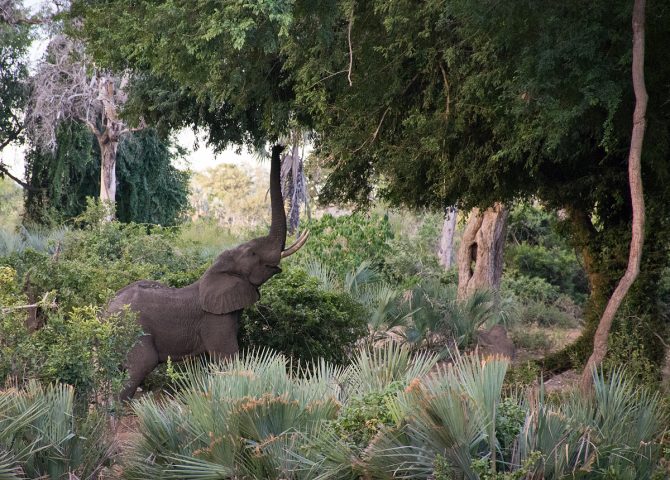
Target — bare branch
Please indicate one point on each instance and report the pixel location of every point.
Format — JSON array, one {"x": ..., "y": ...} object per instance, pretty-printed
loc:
[
  {"x": 4, "y": 171},
  {"x": 67, "y": 87},
  {"x": 46, "y": 302}
]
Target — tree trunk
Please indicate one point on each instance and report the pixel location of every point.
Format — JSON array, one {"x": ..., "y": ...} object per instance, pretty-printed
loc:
[
  {"x": 481, "y": 252},
  {"x": 445, "y": 252},
  {"x": 637, "y": 199},
  {"x": 108, "y": 148}
]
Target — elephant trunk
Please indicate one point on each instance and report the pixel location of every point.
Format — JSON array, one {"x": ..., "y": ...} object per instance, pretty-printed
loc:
[{"x": 278, "y": 225}]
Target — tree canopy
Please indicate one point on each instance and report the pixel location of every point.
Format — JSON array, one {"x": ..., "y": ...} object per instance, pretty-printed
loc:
[{"x": 432, "y": 104}]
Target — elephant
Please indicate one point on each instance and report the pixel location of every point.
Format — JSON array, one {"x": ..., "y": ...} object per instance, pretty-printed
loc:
[{"x": 203, "y": 317}]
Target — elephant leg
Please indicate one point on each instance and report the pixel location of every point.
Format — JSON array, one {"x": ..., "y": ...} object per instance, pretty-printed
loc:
[
  {"x": 141, "y": 360},
  {"x": 219, "y": 336}
]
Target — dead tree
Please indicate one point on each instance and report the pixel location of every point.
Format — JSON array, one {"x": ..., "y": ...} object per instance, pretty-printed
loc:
[{"x": 68, "y": 87}]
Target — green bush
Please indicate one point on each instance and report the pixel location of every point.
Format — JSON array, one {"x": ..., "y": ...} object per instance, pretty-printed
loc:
[
  {"x": 73, "y": 347},
  {"x": 364, "y": 416},
  {"x": 296, "y": 317},
  {"x": 88, "y": 266}
]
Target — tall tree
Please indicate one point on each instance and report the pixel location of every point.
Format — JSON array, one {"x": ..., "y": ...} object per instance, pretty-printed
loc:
[
  {"x": 636, "y": 195},
  {"x": 434, "y": 103},
  {"x": 68, "y": 87}
]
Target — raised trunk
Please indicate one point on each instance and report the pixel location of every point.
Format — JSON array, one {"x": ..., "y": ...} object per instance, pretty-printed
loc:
[
  {"x": 445, "y": 252},
  {"x": 481, "y": 252},
  {"x": 278, "y": 225},
  {"x": 637, "y": 200}
]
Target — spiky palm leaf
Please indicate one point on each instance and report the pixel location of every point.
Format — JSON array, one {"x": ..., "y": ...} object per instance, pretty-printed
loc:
[{"x": 241, "y": 416}]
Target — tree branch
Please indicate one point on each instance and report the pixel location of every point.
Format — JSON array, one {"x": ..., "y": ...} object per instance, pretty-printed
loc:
[
  {"x": 351, "y": 51},
  {"x": 5, "y": 172},
  {"x": 44, "y": 300}
]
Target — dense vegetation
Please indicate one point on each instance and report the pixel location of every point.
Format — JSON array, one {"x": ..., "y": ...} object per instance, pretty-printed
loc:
[{"x": 362, "y": 359}]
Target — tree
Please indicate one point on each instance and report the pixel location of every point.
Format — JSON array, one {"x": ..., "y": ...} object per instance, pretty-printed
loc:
[
  {"x": 480, "y": 258},
  {"x": 150, "y": 189},
  {"x": 432, "y": 104},
  {"x": 203, "y": 64},
  {"x": 67, "y": 87},
  {"x": 637, "y": 199},
  {"x": 474, "y": 103},
  {"x": 15, "y": 39},
  {"x": 445, "y": 251}
]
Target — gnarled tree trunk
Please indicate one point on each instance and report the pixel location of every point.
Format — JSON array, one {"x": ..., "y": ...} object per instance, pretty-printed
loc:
[{"x": 480, "y": 256}]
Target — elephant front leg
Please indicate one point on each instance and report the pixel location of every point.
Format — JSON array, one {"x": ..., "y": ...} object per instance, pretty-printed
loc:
[{"x": 219, "y": 335}]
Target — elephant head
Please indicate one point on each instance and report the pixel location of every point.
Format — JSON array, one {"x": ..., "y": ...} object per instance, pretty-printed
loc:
[{"x": 232, "y": 282}]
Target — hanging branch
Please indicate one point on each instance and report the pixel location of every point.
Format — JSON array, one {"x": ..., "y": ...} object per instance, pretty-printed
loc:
[
  {"x": 637, "y": 199},
  {"x": 351, "y": 50}
]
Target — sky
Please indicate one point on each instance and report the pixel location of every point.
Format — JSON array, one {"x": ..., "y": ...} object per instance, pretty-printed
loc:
[{"x": 197, "y": 160}]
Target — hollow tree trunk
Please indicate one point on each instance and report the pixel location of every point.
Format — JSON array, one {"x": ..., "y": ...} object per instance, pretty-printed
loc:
[
  {"x": 445, "y": 251},
  {"x": 637, "y": 199},
  {"x": 481, "y": 252}
]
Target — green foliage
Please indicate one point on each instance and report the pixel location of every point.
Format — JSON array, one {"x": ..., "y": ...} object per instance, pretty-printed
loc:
[
  {"x": 11, "y": 204},
  {"x": 438, "y": 319},
  {"x": 621, "y": 423},
  {"x": 203, "y": 65},
  {"x": 41, "y": 437},
  {"x": 150, "y": 189},
  {"x": 522, "y": 375},
  {"x": 556, "y": 266},
  {"x": 363, "y": 417},
  {"x": 15, "y": 41},
  {"x": 73, "y": 347},
  {"x": 244, "y": 416},
  {"x": 86, "y": 266},
  {"x": 254, "y": 417},
  {"x": 626, "y": 347},
  {"x": 232, "y": 196},
  {"x": 482, "y": 469},
  {"x": 345, "y": 242},
  {"x": 296, "y": 317}
]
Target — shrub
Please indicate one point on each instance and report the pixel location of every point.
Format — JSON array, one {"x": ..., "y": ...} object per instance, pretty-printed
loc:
[
  {"x": 41, "y": 437},
  {"x": 245, "y": 418},
  {"x": 73, "y": 347},
  {"x": 557, "y": 266},
  {"x": 363, "y": 417},
  {"x": 296, "y": 317},
  {"x": 400, "y": 418}
]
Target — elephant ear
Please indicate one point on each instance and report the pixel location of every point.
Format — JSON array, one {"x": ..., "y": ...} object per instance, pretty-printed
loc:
[{"x": 223, "y": 292}]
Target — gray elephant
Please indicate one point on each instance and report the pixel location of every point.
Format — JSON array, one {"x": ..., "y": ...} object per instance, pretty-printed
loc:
[{"x": 203, "y": 317}]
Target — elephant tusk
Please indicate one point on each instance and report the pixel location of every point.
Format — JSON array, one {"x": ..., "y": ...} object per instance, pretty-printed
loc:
[{"x": 297, "y": 245}]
